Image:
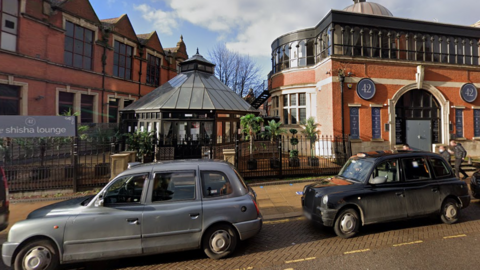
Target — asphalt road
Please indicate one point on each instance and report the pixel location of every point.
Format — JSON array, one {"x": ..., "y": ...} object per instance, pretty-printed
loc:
[{"x": 297, "y": 244}]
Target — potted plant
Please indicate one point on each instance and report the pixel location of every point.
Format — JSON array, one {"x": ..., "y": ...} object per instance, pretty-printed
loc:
[
  {"x": 142, "y": 142},
  {"x": 311, "y": 132},
  {"x": 273, "y": 131},
  {"x": 294, "y": 161},
  {"x": 251, "y": 125}
]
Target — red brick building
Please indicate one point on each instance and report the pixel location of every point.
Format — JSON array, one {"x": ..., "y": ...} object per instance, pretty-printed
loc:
[
  {"x": 382, "y": 80},
  {"x": 57, "y": 55}
]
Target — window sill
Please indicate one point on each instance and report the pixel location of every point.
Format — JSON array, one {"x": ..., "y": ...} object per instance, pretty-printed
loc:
[
  {"x": 461, "y": 139},
  {"x": 356, "y": 141},
  {"x": 377, "y": 140}
]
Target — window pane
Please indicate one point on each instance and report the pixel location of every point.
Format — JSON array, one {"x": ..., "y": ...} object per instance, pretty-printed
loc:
[
  {"x": 9, "y": 107},
  {"x": 215, "y": 184},
  {"x": 8, "y": 41},
  {"x": 302, "y": 99},
  {"x": 127, "y": 189},
  {"x": 88, "y": 36},
  {"x": 69, "y": 29},
  {"x": 9, "y": 24},
  {"x": 387, "y": 169},
  {"x": 87, "y": 63},
  {"x": 10, "y": 6},
  {"x": 115, "y": 71},
  {"x": 293, "y": 115},
  {"x": 128, "y": 74},
  {"x": 303, "y": 114},
  {"x": 9, "y": 91},
  {"x": 293, "y": 100},
  {"x": 285, "y": 116},
  {"x": 440, "y": 168},
  {"x": 69, "y": 44},
  {"x": 88, "y": 50},
  {"x": 78, "y": 46},
  {"x": 219, "y": 132},
  {"x": 176, "y": 186},
  {"x": 285, "y": 100},
  {"x": 68, "y": 58},
  {"x": 78, "y": 32},
  {"x": 77, "y": 61},
  {"x": 415, "y": 169}
]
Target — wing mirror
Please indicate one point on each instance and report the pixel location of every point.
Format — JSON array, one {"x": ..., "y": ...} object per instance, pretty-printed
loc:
[
  {"x": 378, "y": 180},
  {"x": 99, "y": 201}
]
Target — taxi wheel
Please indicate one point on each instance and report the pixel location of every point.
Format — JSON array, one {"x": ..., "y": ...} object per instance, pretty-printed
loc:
[
  {"x": 450, "y": 211},
  {"x": 37, "y": 254},
  {"x": 219, "y": 241},
  {"x": 347, "y": 223}
]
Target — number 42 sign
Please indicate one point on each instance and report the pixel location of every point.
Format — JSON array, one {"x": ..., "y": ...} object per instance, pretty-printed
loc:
[
  {"x": 468, "y": 92},
  {"x": 366, "y": 89}
]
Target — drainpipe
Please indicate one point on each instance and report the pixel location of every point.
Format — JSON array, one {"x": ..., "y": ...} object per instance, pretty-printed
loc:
[
  {"x": 140, "y": 52},
  {"x": 341, "y": 77},
  {"x": 104, "y": 63}
]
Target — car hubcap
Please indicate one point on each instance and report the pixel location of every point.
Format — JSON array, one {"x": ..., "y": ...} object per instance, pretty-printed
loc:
[
  {"x": 451, "y": 211},
  {"x": 37, "y": 258},
  {"x": 348, "y": 223},
  {"x": 220, "y": 241}
]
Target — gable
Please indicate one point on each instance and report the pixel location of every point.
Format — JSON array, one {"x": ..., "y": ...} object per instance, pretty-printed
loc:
[
  {"x": 124, "y": 27},
  {"x": 154, "y": 43},
  {"x": 82, "y": 9}
]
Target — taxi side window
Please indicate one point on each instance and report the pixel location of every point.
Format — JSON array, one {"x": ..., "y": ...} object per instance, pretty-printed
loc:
[
  {"x": 126, "y": 189},
  {"x": 215, "y": 184},
  {"x": 387, "y": 169},
  {"x": 416, "y": 169},
  {"x": 174, "y": 186},
  {"x": 440, "y": 168}
]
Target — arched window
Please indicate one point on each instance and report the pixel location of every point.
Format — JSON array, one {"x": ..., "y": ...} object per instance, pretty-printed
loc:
[
  {"x": 311, "y": 52},
  {"x": 286, "y": 56},
  {"x": 280, "y": 58},
  {"x": 294, "y": 54},
  {"x": 302, "y": 54}
]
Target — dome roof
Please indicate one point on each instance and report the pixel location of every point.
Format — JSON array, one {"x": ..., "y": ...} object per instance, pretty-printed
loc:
[{"x": 362, "y": 6}]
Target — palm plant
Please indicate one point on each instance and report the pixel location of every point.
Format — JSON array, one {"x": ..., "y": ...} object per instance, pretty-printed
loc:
[
  {"x": 251, "y": 126},
  {"x": 311, "y": 132},
  {"x": 142, "y": 142},
  {"x": 272, "y": 131}
]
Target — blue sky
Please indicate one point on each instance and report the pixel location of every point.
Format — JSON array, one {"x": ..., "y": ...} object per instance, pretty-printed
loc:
[{"x": 250, "y": 26}]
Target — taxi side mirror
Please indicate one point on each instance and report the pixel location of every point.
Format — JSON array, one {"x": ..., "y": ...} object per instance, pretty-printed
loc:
[
  {"x": 100, "y": 200},
  {"x": 378, "y": 180}
]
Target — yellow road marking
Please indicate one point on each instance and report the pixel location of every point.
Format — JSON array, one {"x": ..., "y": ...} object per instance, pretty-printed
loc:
[
  {"x": 248, "y": 268},
  {"x": 356, "y": 251},
  {"x": 280, "y": 221},
  {"x": 300, "y": 260},
  {"x": 410, "y": 243},
  {"x": 288, "y": 269},
  {"x": 454, "y": 236}
]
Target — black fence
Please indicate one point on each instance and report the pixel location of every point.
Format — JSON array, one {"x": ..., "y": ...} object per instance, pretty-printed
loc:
[
  {"x": 34, "y": 164},
  {"x": 321, "y": 156}
]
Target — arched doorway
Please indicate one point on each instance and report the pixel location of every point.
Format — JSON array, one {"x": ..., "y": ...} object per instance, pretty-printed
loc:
[{"x": 417, "y": 117}]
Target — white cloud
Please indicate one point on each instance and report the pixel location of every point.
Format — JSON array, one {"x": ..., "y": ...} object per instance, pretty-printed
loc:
[
  {"x": 250, "y": 26},
  {"x": 163, "y": 22}
]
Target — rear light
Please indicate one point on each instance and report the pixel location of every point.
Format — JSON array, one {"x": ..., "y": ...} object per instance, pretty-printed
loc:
[{"x": 256, "y": 207}]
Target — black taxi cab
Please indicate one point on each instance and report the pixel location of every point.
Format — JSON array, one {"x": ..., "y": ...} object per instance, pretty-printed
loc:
[{"x": 383, "y": 186}]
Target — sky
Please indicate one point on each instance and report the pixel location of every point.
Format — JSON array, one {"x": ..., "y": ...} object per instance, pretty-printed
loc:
[{"x": 250, "y": 26}]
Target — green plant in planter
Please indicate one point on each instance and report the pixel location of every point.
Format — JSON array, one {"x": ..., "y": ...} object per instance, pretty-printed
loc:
[
  {"x": 142, "y": 142},
  {"x": 294, "y": 161},
  {"x": 251, "y": 126},
  {"x": 311, "y": 132},
  {"x": 272, "y": 131}
]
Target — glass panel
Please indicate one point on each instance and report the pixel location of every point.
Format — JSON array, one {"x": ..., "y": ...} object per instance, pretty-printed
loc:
[
  {"x": 177, "y": 186},
  {"x": 227, "y": 132},
  {"x": 77, "y": 61},
  {"x": 78, "y": 46},
  {"x": 87, "y": 62},
  {"x": 88, "y": 36},
  {"x": 78, "y": 32},
  {"x": 88, "y": 50},
  {"x": 68, "y": 58},
  {"x": 215, "y": 184},
  {"x": 303, "y": 114},
  {"x": 387, "y": 169},
  {"x": 415, "y": 169},
  {"x": 8, "y": 42},
  {"x": 126, "y": 189},
  {"x": 293, "y": 100},
  {"x": 69, "y": 29},
  {"x": 285, "y": 116},
  {"x": 293, "y": 115},
  {"x": 10, "y": 6},
  {"x": 440, "y": 169},
  {"x": 219, "y": 132},
  {"x": 69, "y": 44},
  {"x": 302, "y": 99},
  {"x": 285, "y": 100},
  {"x": 9, "y": 24}
]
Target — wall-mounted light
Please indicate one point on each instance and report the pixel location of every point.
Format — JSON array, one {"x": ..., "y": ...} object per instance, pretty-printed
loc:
[
  {"x": 329, "y": 72},
  {"x": 349, "y": 85},
  {"x": 39, "y": 98}
]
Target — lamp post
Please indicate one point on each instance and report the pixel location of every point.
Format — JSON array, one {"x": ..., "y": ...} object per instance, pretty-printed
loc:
[{"x": 341, "y": 78}]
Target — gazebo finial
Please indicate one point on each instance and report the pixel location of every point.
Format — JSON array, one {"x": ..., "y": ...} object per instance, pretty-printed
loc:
[{"x": 197, "y": 51}]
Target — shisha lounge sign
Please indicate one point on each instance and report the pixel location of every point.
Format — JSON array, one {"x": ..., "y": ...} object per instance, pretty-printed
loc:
[{"x": 37, "y": 126}]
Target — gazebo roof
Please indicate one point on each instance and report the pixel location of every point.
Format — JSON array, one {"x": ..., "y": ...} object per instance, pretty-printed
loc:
[{"x": 194, "y": 89}]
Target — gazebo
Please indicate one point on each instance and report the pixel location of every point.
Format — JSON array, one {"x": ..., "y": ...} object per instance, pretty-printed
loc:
[{"x": 191, "y": 110}]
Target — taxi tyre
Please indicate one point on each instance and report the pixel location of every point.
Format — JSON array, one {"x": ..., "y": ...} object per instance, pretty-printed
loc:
[
  {"x": 347, "y": 223},
  {"x": 42, "y": 254},
  {"x": 219, "y": 241},
  {"x": 450, "y": 211}
]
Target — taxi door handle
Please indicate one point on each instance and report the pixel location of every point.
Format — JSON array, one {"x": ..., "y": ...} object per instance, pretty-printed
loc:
[
  {"x": 194, "y": 216},
  {"x": 435, "y": 189},
  {"x": 400, "y": 194},
  {"x": 133, "y": 221}
]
